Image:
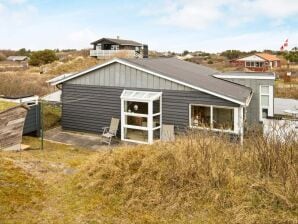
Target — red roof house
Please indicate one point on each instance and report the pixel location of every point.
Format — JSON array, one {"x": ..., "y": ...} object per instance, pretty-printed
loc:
[{"x": 258, "y": 62}]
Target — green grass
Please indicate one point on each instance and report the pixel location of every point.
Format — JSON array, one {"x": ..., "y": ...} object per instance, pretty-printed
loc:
[{"x": 6, "y": 105}]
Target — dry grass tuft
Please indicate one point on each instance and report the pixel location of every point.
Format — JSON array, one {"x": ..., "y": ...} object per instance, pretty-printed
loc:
[
  {"x": 21, "y": 195},
  {"x": 31, "y": 82},
  {"x": 198, "y": 178}
]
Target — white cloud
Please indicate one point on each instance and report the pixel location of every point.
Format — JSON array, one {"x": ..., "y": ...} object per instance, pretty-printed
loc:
[
  {"x": 17, "y": 2},
  {"x": 16, "y": 15},
  {"x": 196, "y": 14}
]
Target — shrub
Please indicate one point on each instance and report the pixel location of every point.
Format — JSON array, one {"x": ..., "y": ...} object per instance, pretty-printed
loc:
[
  {"x": 2, "y": 57},
  {"x": 232, "y": 54},
  {"x": 23, "y": 52},
  {"x": 38, "y": 58},
  {"x": 292, "y": 56},
  {"x": 210, "y": 62}
]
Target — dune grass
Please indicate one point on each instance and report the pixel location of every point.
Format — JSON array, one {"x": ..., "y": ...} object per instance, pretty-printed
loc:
[
  {"x": 21, "y": 195},
  {"x": 199, "y": 178}
]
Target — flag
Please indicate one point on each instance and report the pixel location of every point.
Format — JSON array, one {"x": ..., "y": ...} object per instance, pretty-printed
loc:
[
  {"x": 286, "y": 43},
  {"x": 282, "y": 48}
]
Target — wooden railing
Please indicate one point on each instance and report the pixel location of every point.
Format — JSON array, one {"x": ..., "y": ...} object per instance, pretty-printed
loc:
[{"x": 115, "y": 53}]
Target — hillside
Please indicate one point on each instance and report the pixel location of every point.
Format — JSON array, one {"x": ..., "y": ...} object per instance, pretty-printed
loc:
[
  {"x": 33, "y": 80},
  {"x": 197, "y": 179}
]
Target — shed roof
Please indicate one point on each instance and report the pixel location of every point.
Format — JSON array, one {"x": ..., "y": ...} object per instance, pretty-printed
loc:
[
  {"x": 17, "y": 58},
  {"x": 119, "y": 41}
]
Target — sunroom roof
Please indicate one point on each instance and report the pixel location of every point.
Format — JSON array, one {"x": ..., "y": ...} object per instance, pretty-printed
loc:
[{"x": 140, "y": 95}]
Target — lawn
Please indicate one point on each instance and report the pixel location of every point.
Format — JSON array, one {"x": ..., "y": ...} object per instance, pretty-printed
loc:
[{"x": 6, "y": 105}]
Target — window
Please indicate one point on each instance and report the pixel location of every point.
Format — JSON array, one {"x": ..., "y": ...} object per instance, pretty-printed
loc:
[
  {"x": 140, "y": 116},
  {"x": 222, "y": 117},
  {"x": 264, "y": 113},
  {"x": 200, "y": 116},
  {"x": 247, "y": 64},
  {"x": 266, "y": 101},
  {"x": 136, "y": 135},
  {"x": 136, "y": 107}
]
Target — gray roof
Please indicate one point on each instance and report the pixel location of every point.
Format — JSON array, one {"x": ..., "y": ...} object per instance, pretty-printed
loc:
[
  {"x": 195, "y": 75},
  {"x": 281, "y": 104},
  {"x": 186, "y": 73},
  {"x": 119, "y": 41},
  {"x": 17, "y": 58}
]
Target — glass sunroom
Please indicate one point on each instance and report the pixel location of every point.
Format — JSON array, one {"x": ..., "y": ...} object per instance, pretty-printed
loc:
[{"x": 141, "y": 116}]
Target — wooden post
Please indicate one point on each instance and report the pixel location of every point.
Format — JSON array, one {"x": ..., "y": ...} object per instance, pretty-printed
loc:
[{"x": 41, "y": 125}]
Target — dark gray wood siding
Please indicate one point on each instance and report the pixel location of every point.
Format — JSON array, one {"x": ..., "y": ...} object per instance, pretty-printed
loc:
[
  {"x": 32, "y": 122},
  {"x": 89, "y": 108}
]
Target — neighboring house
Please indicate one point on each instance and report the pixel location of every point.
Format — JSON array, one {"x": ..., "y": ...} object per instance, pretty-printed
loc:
[
  {"x": 106, "y": 48},
  {"x": 259, "y": 62},
  {"x": 22, "y": 60},
  {"x": 146, "y": 93},
  {"x": 185, "y": 57}
]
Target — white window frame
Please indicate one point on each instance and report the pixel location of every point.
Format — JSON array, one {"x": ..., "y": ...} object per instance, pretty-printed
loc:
[
  {"x": 150, "y": 129},
  {"x": 237, "y": 119},
  {"x": 270, "y": 103}
]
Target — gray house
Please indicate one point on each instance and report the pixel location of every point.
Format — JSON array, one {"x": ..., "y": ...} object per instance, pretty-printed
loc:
[
  {"x": 106, "y": 48},
  {"x": 146, "y": 93}
]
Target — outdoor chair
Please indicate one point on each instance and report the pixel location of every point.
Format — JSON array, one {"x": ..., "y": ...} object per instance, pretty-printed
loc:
[
  {"x": 167, "y": 133},
  {"x": 110, "y": 132}
]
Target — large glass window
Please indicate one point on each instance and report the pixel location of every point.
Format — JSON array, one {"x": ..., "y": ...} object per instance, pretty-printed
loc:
[
  {"x": 200, "y": 116},
  {"x": 223, "y": 118}
]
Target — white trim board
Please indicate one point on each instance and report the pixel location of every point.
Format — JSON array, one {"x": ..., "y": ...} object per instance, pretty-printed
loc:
[
  {"x": 152, "y": 73},
  {"x": 245, "y": 77}
]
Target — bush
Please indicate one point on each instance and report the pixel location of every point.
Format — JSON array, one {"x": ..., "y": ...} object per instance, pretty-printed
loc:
[
  {"x": 23, "y": 52},
  {"x": 232, "y": 54},
  {"x": 210, "y": 62},
  {"x": 2, "y": 57},
  {"x": 292, "y": 56},
  {"x": 38, "y": 58}
]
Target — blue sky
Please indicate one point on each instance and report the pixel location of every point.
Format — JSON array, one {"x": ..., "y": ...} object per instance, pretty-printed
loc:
[{"x": 176, "y": 25}]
